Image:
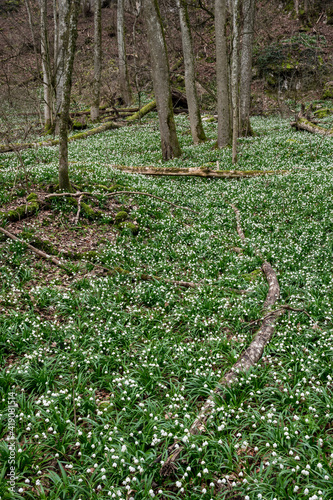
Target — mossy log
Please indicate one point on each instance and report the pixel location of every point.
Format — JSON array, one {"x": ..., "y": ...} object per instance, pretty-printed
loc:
[
  {"x": 7, "y": 148},
  {"x": 203, "y": 171},
  {"x": 22, "y": 211},
  {"x": 302, "y": 123},
  {"x": 142, "y": 112}
]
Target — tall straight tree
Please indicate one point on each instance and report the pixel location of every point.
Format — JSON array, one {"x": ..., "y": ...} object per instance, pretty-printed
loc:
[
  {"x": 73, "y": 14},
  {"x": 197, "y": 130},
  {"x": 235, "y": 77},
  {"x": 124, "y": 84},
  {"x": 248, "y": 9},
  {"x": 46, "y": 67},
  {"x": 94, "y": 110},
  {"x": 60, "y": 56},
  {"x": 161, "y": 79},
  {"x": 222, "y": 75}
]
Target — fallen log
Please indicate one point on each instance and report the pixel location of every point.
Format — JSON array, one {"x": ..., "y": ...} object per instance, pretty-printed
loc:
[
  {"x": 247, "y": 360},
  {"x": 7, "y": 148},
  {"x": 302, "y": 123},
  {"x": 203, "y": 171},
  {"x": 40, "y": 253},
  {"x": 4, "y": 148},
  {"x": 142, "y": 112}
]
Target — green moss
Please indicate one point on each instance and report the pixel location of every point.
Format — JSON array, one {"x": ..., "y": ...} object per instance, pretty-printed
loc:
[
  {"x": 127, "y": 225},
  {"x": 21, "y": 212},
  {"x": 254, "y": 275},
  {"x": 328, "y": 91},
  {"x": 32, "y": 196},
  {"x": 120, "y": 217},
  {"x": 322, "y": 113},
  {"x": 45, "y": 246}
]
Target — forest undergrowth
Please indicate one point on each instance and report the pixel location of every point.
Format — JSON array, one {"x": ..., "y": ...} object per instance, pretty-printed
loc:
[{"x": 109, "y": 369}]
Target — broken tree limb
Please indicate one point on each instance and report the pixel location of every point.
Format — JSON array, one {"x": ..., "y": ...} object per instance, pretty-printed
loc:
[
  {"x": 197, "y": 172},
  {"x": 115, "y": 193},
  {"x": 40, "y": 253},
  {"x": 7, "y": 148},
  {"x": 142, "y": 112},
  {"x": 247, "y": 360},
  {"x": 76, "y": 220},
  {"x": 302, "y": 123}
]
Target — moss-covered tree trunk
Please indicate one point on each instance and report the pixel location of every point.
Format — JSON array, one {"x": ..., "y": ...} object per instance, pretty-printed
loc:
[
  {"x": 197, "y": 130},
  {"x": 248, "y": 9},
  {"x": 94, "y": 110},
  {"x": 222, "y": 75},
  {"x": 74, "y": 8},
  {"x": 125, "y": 88},
  {"x": 161, "y": 80}
]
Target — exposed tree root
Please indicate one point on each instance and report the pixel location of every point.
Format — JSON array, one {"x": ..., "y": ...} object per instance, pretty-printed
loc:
[
  {"x": 198, "y": 172},
  {"x": 302, "y": 123},
  {"x": 38, "y": 252}
]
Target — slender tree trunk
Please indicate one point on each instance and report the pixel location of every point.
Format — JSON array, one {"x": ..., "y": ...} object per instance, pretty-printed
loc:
[
  {"x": 56, "y": 33},
  {"x": 235, "y": 77},
  {"x": 246, "y": 67},
  {"x": 197, "y": 130},
  {"x": 63, "y": 6},
  {"x": 222, "y": 75},
  {"x": 47, "y": 88},
  {"x": 31, "y": 26},
  {"x": 94, "y": 110},
  {"x": 73, "y": 8},
  {"x": 124, "y": 84},
  {"x": 161, "y": 80}
]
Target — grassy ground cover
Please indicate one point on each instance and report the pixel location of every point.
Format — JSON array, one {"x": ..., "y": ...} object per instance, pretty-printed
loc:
[{"x": 109, "y": 370}]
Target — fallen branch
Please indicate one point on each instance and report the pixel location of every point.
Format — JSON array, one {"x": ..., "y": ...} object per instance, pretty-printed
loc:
[
  {"x": 35, "y": 250},
  {"x": 302, "y": 123},
  {"x": 247, "y": 360},
  {"x": 197, "y": 172},
  {"x": 76, "y": 220},
  {"x": 4, "y": 148},
  {"x": 116, "y": 193}
]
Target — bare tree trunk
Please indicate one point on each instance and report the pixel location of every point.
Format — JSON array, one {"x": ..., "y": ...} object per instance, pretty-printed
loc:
[
  {"x": 161, "y": 80},
  {"x": 235, "y": 77},
  {"x": 246, "y": 67},
  {"x": 27, "y": 5},
  {"x": 94, "y": 110},
  {"x": 222, "y": 75},
  {"x": 296, "y": 6},
  {"x": 47, "y": 88},
  {"x": 197, "y": 130},
  {"x": 63, "y": 6},
  {"x": 71, "y": 35},
  {"x": 125, "y": 88}
]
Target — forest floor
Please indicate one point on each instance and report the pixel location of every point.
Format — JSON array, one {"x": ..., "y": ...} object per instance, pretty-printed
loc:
[{"x": 109, "y": 369}]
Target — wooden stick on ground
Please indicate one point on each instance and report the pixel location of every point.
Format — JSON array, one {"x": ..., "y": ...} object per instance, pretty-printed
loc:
[
  {"x": 76, "y": 220},
  {"x": 197, "y": 172},
  {"x": 115, "y": 193},
  {"x": 38, "y": 252},
  {"x": 302, "y": 123}
]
